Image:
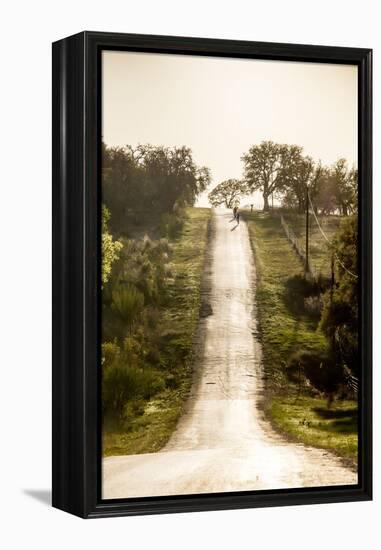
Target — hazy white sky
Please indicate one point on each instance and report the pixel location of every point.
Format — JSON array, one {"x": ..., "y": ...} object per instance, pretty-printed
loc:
[{"x": 219, "y": 107}]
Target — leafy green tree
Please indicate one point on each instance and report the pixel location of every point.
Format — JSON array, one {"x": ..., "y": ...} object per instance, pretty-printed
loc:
[
  {"x": 227, "y": 192},
  {"x": 150, "y": 178},
  {"x": 110, "y": 247},
  {"x": 268, "y": 168},
  {"x": 320, "y": 369},
  {"x": 324, "y": 194},
  {"x": 331, "y": 189},
  {"x": 345, "y": 186},
  {"x": 303, "y": 172}
]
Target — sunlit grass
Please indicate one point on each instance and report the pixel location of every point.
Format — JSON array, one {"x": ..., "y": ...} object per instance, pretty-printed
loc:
[
  {"x": 308, "y": 420},
  {"x": 147, "y": 432}
]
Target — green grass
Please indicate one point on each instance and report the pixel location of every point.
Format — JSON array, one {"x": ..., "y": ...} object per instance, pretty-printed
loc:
[
  {"x": 308, "y": 420},
  {"x": 147, "y": 432},
  {"x": 319, "y": 253},
  {"x": 283, "y": 331},
  {"x": 151, "y": 425}
]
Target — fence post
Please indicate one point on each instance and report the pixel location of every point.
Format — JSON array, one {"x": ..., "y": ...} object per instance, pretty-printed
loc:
[{"x": 309, "y": 270}]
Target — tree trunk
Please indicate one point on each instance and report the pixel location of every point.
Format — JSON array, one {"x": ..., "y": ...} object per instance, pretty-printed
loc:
[{"x": 266, "y": 206}]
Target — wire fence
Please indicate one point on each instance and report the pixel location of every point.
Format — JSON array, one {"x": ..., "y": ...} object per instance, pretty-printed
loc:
[
  {"x": 351, "y": 381},
  {"x": 298, "y": 247},
  {"x": 353, "y": 275}
]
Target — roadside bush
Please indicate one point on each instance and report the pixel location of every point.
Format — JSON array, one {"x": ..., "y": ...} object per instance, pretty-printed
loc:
[
  {"x": 110, "y": 248},
  {"x": 110, "y": 353},
  {"x": 131, "y": 410},
  {"x": 122, "y": 383},
  {"x": 144, "y": 263},
  {"x": 127, "y": 302},
  {"x": 171, "y": 225},
  {"x": 302, "y": 295},
  {"x": 313, "y": 305},
  {"x": 319, "y": 369}
]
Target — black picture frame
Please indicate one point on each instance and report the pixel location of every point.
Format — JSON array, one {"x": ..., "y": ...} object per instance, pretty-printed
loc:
[{"x": 76, "y": 272}]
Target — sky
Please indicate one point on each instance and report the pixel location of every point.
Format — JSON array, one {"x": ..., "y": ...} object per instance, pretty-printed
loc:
[{"x": 219, "y": 107}]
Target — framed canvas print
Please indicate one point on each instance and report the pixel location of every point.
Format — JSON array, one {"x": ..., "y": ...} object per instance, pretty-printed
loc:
[{"x": 212, "y": 274}]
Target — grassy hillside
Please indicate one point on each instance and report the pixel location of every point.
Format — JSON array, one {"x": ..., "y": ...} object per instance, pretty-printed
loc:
[
  {"x": 151, "y": 421},
  {"x": 285, "y": 328}
]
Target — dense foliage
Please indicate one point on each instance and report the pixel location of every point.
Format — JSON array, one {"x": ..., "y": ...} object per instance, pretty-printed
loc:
[
  {"x": 110, "y": 247},
  {"x": 149, "y": 179}
]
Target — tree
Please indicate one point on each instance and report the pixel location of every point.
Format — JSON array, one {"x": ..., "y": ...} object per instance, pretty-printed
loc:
[
  {"x": 150, "y": 177},
  {"x": 337, "y": 190},
  {"x": 353, "y": 182},
  {"x": 268, "y": 167},
  {"x": 227, "y": 192},
  {"x": 171, "y": 175},
  {"x": 345, "y": 184},
  {"x": 323, "y": 193},
  {"x": 110, "y": 247},
  {"x": 340, "y": 313},
  {"x": 319, "y": 368},
  {"x": 303, "y": 172}
]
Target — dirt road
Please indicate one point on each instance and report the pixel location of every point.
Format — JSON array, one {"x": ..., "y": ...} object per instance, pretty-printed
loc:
[{"x": 222, "y": 443}]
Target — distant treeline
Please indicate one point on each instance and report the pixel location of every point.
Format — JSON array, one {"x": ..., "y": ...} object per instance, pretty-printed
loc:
[{"x": 285, "y": 172}]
